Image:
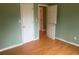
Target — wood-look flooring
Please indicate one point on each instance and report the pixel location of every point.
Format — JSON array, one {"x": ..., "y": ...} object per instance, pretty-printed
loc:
[{"x": 44, "y": 46}]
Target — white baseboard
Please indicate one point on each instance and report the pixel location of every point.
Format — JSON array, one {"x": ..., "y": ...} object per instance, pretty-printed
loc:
[
  {"x": 67, "y": 41},
  {"x": 10, "y": 47},
  {"x": 14, "y": 46},
  {"x": 36, "y": 38}
]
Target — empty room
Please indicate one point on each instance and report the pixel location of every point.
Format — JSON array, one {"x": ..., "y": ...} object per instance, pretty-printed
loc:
[{"x": 39, "y": 28}]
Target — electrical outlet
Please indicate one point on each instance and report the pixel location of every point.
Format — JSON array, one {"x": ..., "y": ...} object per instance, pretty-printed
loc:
[{"x": 75, "y": 38}]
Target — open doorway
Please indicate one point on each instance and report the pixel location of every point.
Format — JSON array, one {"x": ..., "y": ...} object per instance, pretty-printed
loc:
[
  {"x": 47, "y": 19},
  {"x": 42, "y": 20}
]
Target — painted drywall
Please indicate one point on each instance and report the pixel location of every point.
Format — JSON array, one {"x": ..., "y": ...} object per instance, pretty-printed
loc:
[
  {"x": 67, "y": 26},
  {"x": 36, "y": 31},
  {"x": 10, "y": 28}
]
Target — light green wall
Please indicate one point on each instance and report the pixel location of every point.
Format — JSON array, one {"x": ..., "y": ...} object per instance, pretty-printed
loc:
[
  {"x": 10, "y": 28},
  {"x": 36, "y": 32},
  {"x": 68, "y": 22}
]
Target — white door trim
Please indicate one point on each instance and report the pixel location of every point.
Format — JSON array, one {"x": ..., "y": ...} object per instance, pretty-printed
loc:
[{"x": 43, "y": 5}]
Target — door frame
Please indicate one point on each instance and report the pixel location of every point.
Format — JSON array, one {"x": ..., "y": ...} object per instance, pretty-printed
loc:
[{"x": 44, "y": 5}]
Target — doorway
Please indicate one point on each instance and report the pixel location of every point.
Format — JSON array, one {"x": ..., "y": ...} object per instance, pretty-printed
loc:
[
  {"x": 42, "y": 20},
  {"x": 47, "y": 19}
]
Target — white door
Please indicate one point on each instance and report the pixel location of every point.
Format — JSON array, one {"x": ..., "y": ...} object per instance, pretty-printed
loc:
[
  {"x": 51, "y": 20},
  {"x": 27, "y": 17}
]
